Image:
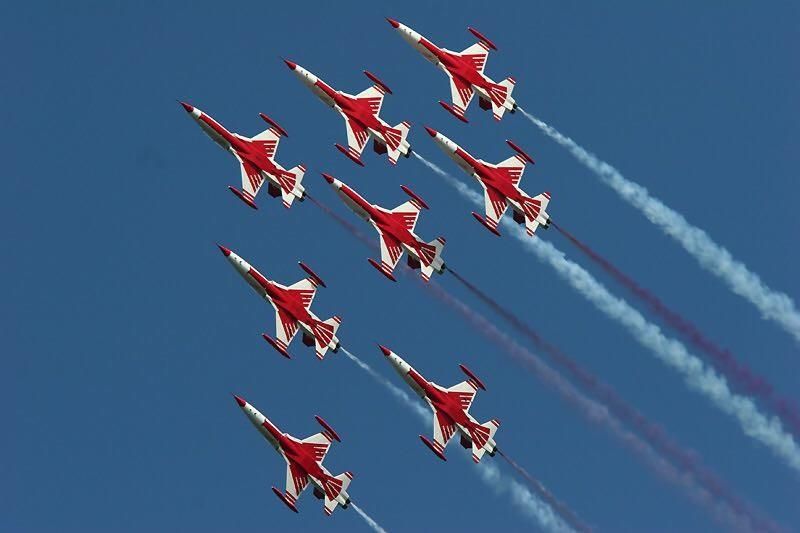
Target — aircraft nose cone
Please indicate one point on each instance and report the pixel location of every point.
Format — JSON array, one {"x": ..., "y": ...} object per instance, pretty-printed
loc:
[
  {"x": 240, "y": 401},
  {"x": 393, "y": 22},
  {"x": 225, "y": 251},
  {"x": 432, "y": 132},
  {"x": 291, "y": 64},
  {"x": 187, "y": 107},
  {"x": 328, "y": 178},
  {"x": 386, "y": 351}
]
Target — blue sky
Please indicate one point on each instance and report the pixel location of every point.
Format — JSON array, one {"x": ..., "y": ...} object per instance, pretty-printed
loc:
[{"x": 125, "y": 331}]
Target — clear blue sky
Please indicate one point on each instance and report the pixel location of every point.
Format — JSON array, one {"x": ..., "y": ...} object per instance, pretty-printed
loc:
[{"x": 125, "y": 331}]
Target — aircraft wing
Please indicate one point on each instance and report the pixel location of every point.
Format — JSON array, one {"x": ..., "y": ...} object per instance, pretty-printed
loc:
[
  {"x": 296, "y": 482},
  {"x": 306, "y": 289},
  {"x": 318, "y": 444},
  {"x": 464, "y": 392},
  {"x": 407, "y": 214},
  {"x": 268, "y": 141},
  {"x": 495, "y": 205},
  {"x": 285, "y": 329},
  {"x": 391, "y": 251},
  {"x": 476, "y": 54},
  {"x": 512, "y": 168},
  {"x": 373, "y": 97},
  {"x": 461, "y": 94},
  {"x": 357, "y": 137},
  {"x": 251, "y": 177},
  {"x": 443, "y": 430}
]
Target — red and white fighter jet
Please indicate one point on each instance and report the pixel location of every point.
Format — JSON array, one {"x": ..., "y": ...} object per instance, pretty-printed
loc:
[
  {"x": 465, "y": 70},
  {"x": 396, "y": 230},
  {"x": 500, "y": 184},
  {"x": 292, "y": 306},
  {"x": 360, "y": 113},
  {"x": 303, "y": 462},
  {"x": 450, "y": 410},
  {"x": 256, "y": 156}
]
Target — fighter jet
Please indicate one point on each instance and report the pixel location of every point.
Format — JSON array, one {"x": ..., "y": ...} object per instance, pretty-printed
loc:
[
  {"x": 360, "y": 113},
  {"x": 396, "y": 230},
  {"x": 292, "y": 306},
  {"x": 465, "y": 70},
  {"x": 450, "y": 410},
  {"x": 500, "y": 184},
  {"x": 303, "y": 462},
  {"x": 256, "y": 158}
]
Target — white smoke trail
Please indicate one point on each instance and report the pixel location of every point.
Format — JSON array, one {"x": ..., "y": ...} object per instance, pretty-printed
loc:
[
  {"x": 530, "y": 505},
  {"x": 368, "y": 519},
  {"x": 705, "y": 380},
  {"x": 774, "y": 305}
]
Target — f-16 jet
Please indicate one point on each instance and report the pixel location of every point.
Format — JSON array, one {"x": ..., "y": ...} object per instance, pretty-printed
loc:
[
  {"x": 292, "y": 306},
  {"x": 396, "y": 230},
  {"x": 450, "y": 410},
  {"x": 361, "y": 117},
  {"x": 256, "y": 156},
  {"x": 303, "y": 462},
  {"x": 500, "y": 184},
  {"x": 465, "y": 70}
]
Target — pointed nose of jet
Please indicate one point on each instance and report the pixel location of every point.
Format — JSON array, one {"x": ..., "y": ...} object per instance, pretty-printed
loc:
[
  {"x": 225, "y": 251},
  {"x": 386, "y": 351},
  {"x": 330, "y": 179},
  {"x": 240, "y": 401},
  {"x": 291, "y": 64},
  {"x": 393, "y": 22},
  {"x": 187, "y": 107},
  {"x": 432, "y": 132}
]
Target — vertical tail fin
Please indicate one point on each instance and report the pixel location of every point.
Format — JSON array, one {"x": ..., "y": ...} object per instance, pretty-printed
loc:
[
  {"x": 325, "y": 335},
  {"x": 483, "y": 439},
  {"x": 431, "y": 258},
  {"x": 291, "y": 187},
  {"x": 501, "y": 97},
  {"x": 396, "y": 143},
  {"x": 336, "y": 491},
  {"x": 534, "y": 211}
]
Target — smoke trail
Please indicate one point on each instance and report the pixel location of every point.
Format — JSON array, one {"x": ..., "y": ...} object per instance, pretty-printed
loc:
[
  {"x": 768, "y": 431},
  {"x": 368, "y": 519},
  {"x": 397, "y": 392},
  {"x": 655, "y": 434},
  {"x": 732, "y": 515},
  {"x": 521, "y": 497},
  {"x": 774, "y": 305},
  {"x": 742, "y": 376},
  {"x": 547, "y": 496}
]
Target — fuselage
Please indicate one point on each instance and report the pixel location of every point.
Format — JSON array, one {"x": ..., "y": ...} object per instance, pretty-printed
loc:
[
  {"x": 234, "y": 143},
  {"x": 287, "y": 301},
  {"x": 448, "y": 61},
  {"x": 357, "y": 110},
  {"x": 479, "y": 170},
  {"x": 386, "y": 222}
]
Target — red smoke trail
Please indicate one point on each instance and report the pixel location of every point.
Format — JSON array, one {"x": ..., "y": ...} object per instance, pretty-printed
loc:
[
  {"x": 705, "y": 491},
  {"x": 746, "y": 380},
  {"x": 703, "y": 487},
  {"x": 548, "y": 497}
]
